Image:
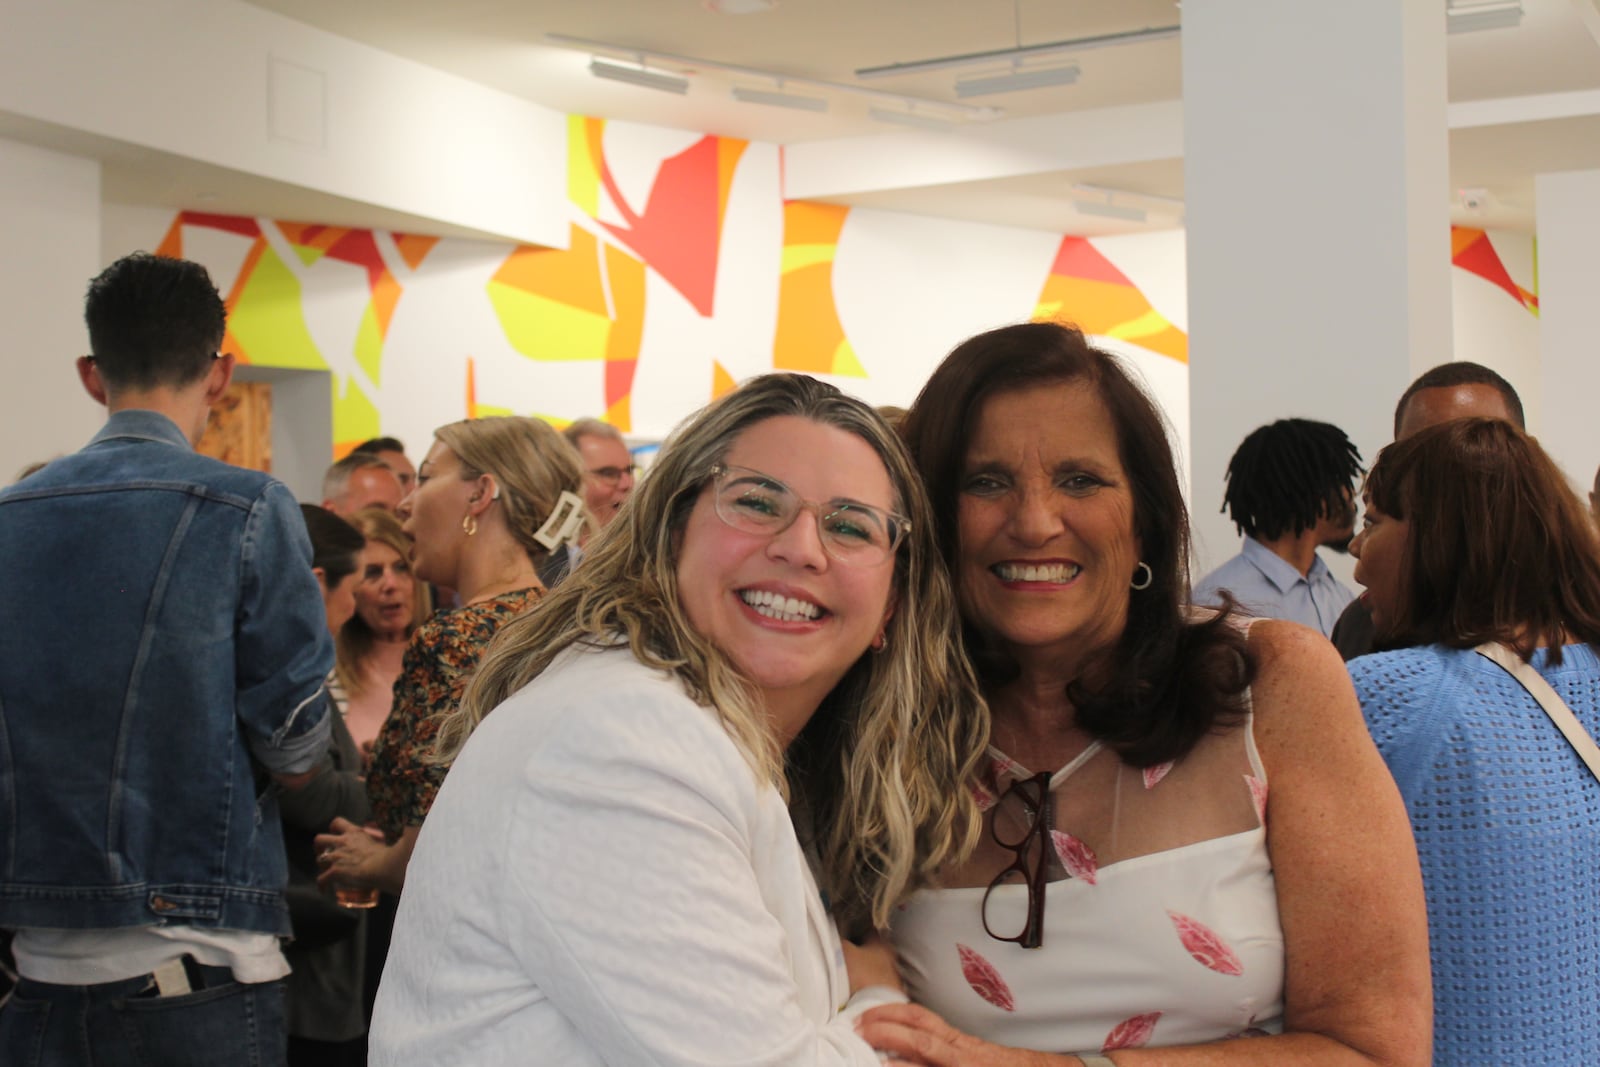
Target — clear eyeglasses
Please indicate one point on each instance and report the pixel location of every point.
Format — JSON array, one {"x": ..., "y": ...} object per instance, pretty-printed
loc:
[{"x": 852, "y": 532}]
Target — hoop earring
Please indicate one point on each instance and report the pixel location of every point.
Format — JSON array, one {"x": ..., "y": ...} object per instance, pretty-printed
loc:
[
  {"x": 1149, "y": 576},
  {"x": 469, "y": 525}
]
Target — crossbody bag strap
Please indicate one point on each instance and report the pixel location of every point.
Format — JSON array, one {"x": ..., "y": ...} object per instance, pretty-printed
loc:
[{"x": 1548, "y": 699}]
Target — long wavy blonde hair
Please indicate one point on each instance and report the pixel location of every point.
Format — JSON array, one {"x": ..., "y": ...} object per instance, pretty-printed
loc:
[
  {"x": 532, "y": 462},
  {"x": 883, "y": 765}
]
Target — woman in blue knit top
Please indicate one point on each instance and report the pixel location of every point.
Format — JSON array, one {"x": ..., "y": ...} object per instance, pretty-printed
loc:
[{"x": 1472, "y": 536}]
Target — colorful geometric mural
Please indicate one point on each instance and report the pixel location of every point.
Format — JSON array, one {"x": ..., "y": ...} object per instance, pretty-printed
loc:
[
  {"x": 679, "y": 232},
  {"x": 809, "y": 337},
  {"x": 1084, "y": 288},
  {"x": 569, "y": 305},
  {"x": 1473, "y": 252},
  {"x": 266, "y": 302}
]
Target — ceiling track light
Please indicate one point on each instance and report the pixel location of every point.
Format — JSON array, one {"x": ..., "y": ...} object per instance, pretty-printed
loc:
[
  {"x": 956, "y": 112},
  {"x": 1016, "y": 80},
  {"x": 1160, "y": 204},
  {"x": 1488, "y": 15},
  {"x": 777, "y": 98},
  {"x": 1111, "y": 211},
  {"x": 649, "y": 79},
  {"x": 914, "y": 119},
  {"x": 1013, "y": 55}
]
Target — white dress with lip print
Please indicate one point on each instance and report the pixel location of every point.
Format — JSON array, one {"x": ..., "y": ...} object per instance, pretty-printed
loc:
[{"x": 1160, "y": 923}]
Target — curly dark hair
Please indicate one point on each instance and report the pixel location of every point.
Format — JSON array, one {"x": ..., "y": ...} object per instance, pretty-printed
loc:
[
  {"x": 1172, "y": 677},
  {"x": 1287, "y": 475}
]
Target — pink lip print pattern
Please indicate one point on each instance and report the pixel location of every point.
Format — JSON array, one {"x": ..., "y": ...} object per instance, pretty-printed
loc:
[
  {"x": 1258, "y": 796},
  {"x": 985, "y": 980},
  {"x": 1131, "y": 1033},
  {"x": 1006, "y": 767},
  {"x": 1078, "y": 858},
  {"x": 1153, "y": 775},
  {"x": 1205, "y": 946}
]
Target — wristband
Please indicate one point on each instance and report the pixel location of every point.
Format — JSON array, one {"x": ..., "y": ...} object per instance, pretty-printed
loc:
[{"x": 1094, "y": 1059}]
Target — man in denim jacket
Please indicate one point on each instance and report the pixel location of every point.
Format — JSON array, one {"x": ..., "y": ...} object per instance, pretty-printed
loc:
[{"x": 162, "y": 655}]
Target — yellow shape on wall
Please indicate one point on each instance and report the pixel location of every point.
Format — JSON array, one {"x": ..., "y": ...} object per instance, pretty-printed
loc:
[
  {"x": 355, "y": 419},
  {"x": 268, "y": 322},
  {"x": 551, "y": 303},
  {"x": 583, "y": 162}
]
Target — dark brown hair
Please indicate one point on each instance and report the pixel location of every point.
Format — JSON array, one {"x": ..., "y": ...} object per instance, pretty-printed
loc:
[
  {"x": 153, "y": 322},
  {"x": 1500, "y": 548},
  {"x": 1170, "y": 679}
]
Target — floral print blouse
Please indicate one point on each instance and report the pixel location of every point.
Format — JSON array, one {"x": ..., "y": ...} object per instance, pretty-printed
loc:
[{"x": 403, "y": 780}]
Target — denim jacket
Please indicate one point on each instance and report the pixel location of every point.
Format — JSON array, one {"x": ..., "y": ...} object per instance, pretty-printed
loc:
[{"x": 162, "y": 640}]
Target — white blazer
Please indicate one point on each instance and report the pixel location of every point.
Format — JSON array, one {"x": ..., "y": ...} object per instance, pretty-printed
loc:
[{"x": 603, "y": 880}]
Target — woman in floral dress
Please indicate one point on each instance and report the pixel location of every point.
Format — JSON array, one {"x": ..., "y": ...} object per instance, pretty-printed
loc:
[{"x": 492, "y": 498}]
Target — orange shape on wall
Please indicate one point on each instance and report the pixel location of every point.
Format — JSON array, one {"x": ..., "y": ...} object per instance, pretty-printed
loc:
[
  {"x": 1086, "y": 289},
  {"x": 722, "y": 382},
  {"x": 680, "y": 230},
  {"x": 1473, "y": 252},
  {"x": 809, "y": 336},
  {"x": 573, "y": 305}
]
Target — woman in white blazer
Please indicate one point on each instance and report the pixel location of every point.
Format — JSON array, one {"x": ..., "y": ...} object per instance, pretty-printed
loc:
[{"x": 611, "y": 873}]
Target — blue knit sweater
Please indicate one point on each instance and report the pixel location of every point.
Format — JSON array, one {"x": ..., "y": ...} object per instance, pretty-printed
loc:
[{"x": 1507, "y": 820}]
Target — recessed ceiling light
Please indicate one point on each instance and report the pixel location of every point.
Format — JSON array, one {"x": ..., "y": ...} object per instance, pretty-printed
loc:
[{"x": 740, "y": 7}]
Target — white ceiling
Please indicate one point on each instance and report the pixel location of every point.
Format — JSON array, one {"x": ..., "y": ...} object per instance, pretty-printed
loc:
[{"x": 1549, "y": 66}]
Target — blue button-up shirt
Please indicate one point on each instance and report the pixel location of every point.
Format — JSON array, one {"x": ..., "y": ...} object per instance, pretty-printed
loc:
[{"x": 1268, "y": 586}]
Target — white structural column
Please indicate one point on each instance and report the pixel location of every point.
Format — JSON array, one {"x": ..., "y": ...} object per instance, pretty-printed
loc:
[
  {"x": 1316, "y": 189},
  {"x": 1569, "y": 345},
  {"x": 50, "y": 223}
]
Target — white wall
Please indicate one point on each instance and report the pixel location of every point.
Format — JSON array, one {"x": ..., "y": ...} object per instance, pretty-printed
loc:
[
  {"x": 233, "y": 85},
  {"x": 1569, "y": 272},
  {"x": 1493, "y": 329},
  {"x": 50, "y": 229}
]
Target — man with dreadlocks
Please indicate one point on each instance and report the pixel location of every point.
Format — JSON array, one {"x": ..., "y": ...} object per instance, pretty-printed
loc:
[{"x": 1289, "y": 490}]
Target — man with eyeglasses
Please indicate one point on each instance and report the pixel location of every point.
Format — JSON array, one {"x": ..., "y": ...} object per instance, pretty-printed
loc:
[{"x": 607, "y": 466}]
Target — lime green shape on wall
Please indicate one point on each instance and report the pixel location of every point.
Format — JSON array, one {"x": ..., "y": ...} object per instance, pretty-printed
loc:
[
  {"x": 369, "y": 345},
  {"x": 545, "y": 329},
  {"x": 354, "y": 416},
  {"x": 268, "y": 321}
]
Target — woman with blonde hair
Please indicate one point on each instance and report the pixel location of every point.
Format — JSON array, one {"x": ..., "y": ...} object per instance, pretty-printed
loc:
[
  {"x": 390, "y": 605},
  {"x": 612, "y": 874},
  {"x": 492, "y": 498}
]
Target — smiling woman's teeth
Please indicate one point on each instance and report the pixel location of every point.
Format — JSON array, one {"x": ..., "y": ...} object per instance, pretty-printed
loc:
[
  {"x": 782, "y": 608},
  {"x": 1049, "y": 572}
]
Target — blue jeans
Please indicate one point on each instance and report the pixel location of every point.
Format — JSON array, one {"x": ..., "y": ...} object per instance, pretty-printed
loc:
[{"x": 119, "y": 1024}]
